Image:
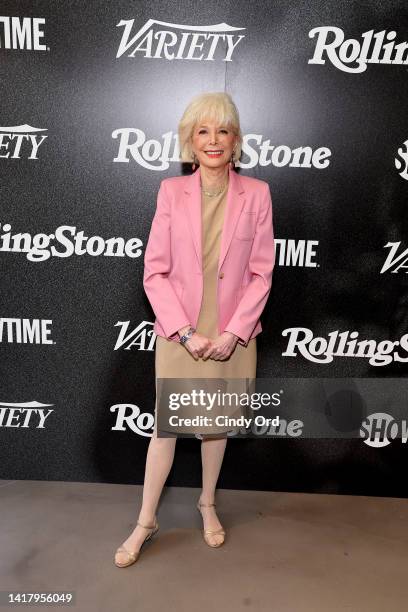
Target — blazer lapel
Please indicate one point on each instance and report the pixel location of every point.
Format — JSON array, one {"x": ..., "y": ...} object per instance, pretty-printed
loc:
[{"x": 234, "y": 204}]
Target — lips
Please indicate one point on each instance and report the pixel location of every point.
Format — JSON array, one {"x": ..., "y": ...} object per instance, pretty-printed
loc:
[{"x": 214, "y": 153}]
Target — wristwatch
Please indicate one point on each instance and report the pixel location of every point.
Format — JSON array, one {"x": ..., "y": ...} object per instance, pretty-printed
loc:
[{"x": 187, "y": 335}]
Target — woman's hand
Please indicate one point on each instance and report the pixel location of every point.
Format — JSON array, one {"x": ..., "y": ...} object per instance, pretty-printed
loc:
[
  {"x": 197, "y": 344},
  {"x": 222, "y": 347}
]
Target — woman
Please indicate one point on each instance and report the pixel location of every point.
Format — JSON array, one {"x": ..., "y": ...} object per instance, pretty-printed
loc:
[{"x": 208, "y": 274}]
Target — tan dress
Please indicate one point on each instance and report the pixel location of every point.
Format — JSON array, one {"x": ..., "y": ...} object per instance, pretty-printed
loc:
[{"x": 173, "y": 360}]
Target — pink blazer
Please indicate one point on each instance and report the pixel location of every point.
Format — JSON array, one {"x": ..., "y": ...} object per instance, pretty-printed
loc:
[{"x": 173, "y": 276}]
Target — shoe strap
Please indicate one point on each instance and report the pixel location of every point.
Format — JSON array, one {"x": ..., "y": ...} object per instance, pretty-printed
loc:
[
  {"x": 132, "y": 555},
  {"x": 147, "y": 526},
  {"x": 206, "y": 505}
]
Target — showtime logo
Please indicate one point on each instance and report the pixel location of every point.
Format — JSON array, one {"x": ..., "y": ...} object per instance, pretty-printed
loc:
[
  {"x": 342, "y": 52},
  {"x": 296, "y": 253},
  {"x": 321, "y": 350},
  {"x": 37, "y": 247},
  {"x": 378, "y": 428},
  {"x": 25, "y": 331},
  {"x": 173, "y": 41},
  {"x": 22, "y": 33},
  {"x": 21, "y": 141},
  {"x": 154, "y": 154}
]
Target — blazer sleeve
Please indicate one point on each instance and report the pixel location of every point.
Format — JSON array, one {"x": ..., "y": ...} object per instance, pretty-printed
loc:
[
  {"x": 157, "y": 265},
  {"x": 261, "y": 264}
]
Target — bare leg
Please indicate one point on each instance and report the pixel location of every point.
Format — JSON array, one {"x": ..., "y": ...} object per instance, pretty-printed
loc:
[
  {"x": 212, "y": 455},
  {"x": 159, "y": 459}
]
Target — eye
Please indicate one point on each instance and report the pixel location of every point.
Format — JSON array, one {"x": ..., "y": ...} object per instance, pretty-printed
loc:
[{"x": 224, "y": 130}]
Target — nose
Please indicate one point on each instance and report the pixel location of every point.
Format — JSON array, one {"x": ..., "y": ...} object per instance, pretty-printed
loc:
[{"x": 213, "y": 137}]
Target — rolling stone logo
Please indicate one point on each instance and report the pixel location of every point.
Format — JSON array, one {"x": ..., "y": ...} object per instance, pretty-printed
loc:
[
  {"x": 154, "y": 154},
  {"x": 352, "y": 55},
  {"x": 174, "y": 41},
  {"x": 129, "y": 416},
  {"x": 401, "y": 162},
  {"x": 40, "y": 247},
  {"x": 345, "y": 344}
]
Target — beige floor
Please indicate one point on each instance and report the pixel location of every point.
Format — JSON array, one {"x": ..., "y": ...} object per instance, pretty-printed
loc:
[{"x": 284, "y": 552}]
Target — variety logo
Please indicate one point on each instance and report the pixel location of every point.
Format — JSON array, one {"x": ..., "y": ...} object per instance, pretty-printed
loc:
[
  {"x": 142, "y": 336},
  {"x": 21, "y": 141},
  {"x": 393, "y": 260},
  {"x": 155, "y": 155},
  {"x": 173, "y": 41},
  {"x": 403, "y": 163},
  {"x": 129, "y": 416},
  {"x": 24, "y": 414},
  {"x": 22, "y": 33},
  {"x": 25, "y": 331},
  {"x": 320, "y": 350},
  {"x": 342, "y": 52},
  {"x": 72, "y": 242},
  {"x": 378, "y": 428}
]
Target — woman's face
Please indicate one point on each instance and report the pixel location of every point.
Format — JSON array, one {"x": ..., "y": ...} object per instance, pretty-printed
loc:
[{"x": 208, "y": 136}]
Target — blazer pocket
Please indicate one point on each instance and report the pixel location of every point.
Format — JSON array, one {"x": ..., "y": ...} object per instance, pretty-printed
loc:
[{"x": 246, "y": 225}]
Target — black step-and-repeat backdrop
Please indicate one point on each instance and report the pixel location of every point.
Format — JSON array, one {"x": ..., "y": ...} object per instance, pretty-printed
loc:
[{"x": 91, "y": 96}]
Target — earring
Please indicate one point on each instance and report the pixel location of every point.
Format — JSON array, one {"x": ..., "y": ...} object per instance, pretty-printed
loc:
[
  {"x": 232, "y": 164},
  {"x": 194, "y": 165}
]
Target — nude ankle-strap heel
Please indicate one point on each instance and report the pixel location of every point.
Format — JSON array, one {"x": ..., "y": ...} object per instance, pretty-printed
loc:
[
  {"x": 133, "y": 556},
  {"x": 207, "y": 532}
]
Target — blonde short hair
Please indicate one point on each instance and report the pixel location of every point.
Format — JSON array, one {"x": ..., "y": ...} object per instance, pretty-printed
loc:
[{"x": 218, "y": 107}]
